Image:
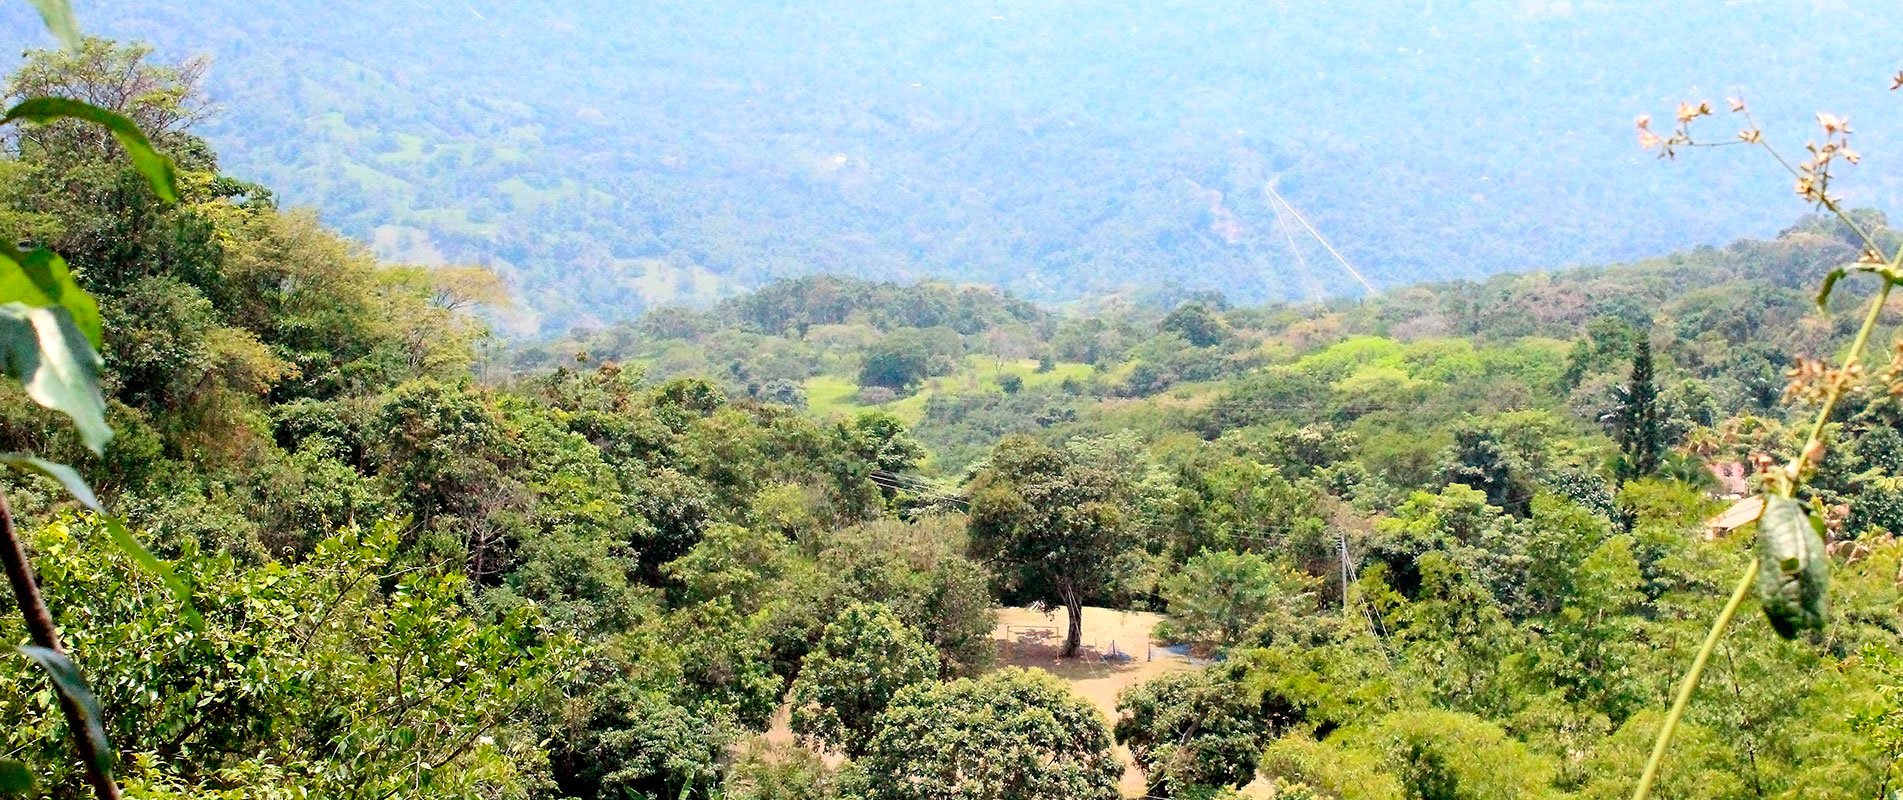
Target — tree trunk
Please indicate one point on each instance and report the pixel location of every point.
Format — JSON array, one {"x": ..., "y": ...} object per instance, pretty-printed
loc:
[
  {"x": 39, "y": 626},
  {"x": 1074, "y": 603}
]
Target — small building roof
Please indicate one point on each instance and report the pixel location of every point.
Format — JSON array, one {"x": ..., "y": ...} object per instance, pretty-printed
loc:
[{"x": 1740, "y": 514}]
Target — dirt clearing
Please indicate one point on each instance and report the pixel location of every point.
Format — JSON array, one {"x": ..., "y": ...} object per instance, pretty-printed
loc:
[{"x": 1119, "y": 651}]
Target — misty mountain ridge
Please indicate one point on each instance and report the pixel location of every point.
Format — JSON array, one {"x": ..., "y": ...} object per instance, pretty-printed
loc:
[{"x": 605, "y": 161}]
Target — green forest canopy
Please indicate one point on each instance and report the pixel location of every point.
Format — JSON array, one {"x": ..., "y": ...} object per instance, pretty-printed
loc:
[{"x": 598, "y": 573}]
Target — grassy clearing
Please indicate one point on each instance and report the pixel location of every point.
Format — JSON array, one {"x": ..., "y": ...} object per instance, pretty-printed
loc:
[{"x": 838, "y": 395}]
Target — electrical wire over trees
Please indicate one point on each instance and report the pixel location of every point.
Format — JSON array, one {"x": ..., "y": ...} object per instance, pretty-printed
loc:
[{"x": 1280, "y": 203}]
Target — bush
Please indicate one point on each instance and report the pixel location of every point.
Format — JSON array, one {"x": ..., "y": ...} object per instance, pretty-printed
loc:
[
  {"x": 1010, "y": 735},
  {"x": 864, "y": 659}
]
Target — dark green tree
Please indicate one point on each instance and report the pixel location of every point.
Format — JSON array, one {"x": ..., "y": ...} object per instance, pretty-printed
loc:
[
  {"x": 894, "y": 368},
  {"x": 1636, "y": 423},
  {"x": 1195, "y": 322},
  {"x": 1480, "y": 461},
  {"x": 864, "y": 659},
  {"x": 1219, "y": 598},
  {"x": 1009, "y": 735},
  {"x": 1201, "y": 730},
  {"x": 905, "y": 357}
]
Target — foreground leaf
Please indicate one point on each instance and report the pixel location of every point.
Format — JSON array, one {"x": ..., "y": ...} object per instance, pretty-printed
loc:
[
  {"x": 58, "y": 15},
  {"x": 1838, "y": 274},
  {"x": 115, "y": 528},
  {"x": 71, "y": 685},
  {"x": 1830, "y": 283},
  {"x": 158, "y": 170},
  {"x": 1794, "y": 572},
  {"x": 41, "y": 279},
  {"x": 51, "y": 358},
  {"x": 129, "y": 544}
]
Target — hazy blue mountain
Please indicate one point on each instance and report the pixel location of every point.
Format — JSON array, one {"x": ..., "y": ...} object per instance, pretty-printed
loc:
[{"x": 605, "y": 155}]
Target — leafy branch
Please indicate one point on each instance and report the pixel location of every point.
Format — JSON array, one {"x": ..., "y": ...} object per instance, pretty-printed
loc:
[
  {"x": 50, "y": 335},
  {"x": 1789, "y": 566}
]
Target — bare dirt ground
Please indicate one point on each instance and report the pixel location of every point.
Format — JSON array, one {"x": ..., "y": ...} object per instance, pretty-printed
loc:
[{"x": 1028, "y": 638}]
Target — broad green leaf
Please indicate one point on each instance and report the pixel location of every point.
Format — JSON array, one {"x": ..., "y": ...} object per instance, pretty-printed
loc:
[
  {"x": 41, "y": 278},
  {"x": 1830, "y": 282},
  {"x": 1793, "y": 570},
  {"x": 58, "y": 15},
  {"x": 115, "y": 528},
  {"x": 15, "y": 778},
  {"x": 71, "y": 685},
  {"x": 50, "y": 357},
  {"x": 158, "y": 169},
  {"x": 67, "y": 476},
  {"x": 157, "y": 566}
]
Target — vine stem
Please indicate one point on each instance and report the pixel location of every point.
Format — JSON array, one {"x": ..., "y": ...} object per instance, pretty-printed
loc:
[
  {"x": 39, "y": 626},
  {"x": 1787, "y": 483},
  {"x": 1796, "y": 468},
  {"x": 1690, "y": 681}
]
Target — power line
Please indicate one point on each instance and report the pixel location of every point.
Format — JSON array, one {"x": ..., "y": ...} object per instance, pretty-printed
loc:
[
  {"x": 912, "y": 480},
  {"x": 1270, "y": 188},
  {"x": 1307, "y": 274},
  {"x": 906, "y": 483}
]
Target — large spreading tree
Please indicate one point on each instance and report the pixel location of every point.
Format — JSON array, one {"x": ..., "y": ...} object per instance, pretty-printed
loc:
[{"x": 1050, "y": 524}]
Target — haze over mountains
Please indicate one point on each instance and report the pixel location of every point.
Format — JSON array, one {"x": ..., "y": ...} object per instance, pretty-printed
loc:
[{"x": 1061, "y": 149}]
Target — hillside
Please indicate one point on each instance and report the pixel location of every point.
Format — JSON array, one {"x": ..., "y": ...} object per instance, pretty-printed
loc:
[
  {"x": 963, "y": 366},
  {"x": 285, "y": 520},
  {"x": 1057, "y": 149}
]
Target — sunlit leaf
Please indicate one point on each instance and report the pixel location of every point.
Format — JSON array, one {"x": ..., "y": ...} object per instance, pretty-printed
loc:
[
  {"x": 72, "y": 686},
  {"x": 41, "y": 278},
  {"x": 158, "y": 170},
  {"x": 1793, "y": 572},
  {"x": 58, "y": 15},
  {"x": 51, "y": 358}
]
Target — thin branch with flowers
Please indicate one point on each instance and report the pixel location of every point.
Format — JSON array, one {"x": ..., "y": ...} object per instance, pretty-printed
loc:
[{"x": 1789, "y": 568}]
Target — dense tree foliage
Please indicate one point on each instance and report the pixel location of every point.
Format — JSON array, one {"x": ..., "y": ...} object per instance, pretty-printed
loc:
[
  {"x": 1195, "y": 730},
  {"x": 1422, "y": 562},
  {"x": 322, "y": 675},
  {"x": 863, "y": 660},
  {"x": 1050, "y": 523},
  {"x": 1009, "y": 735}
]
